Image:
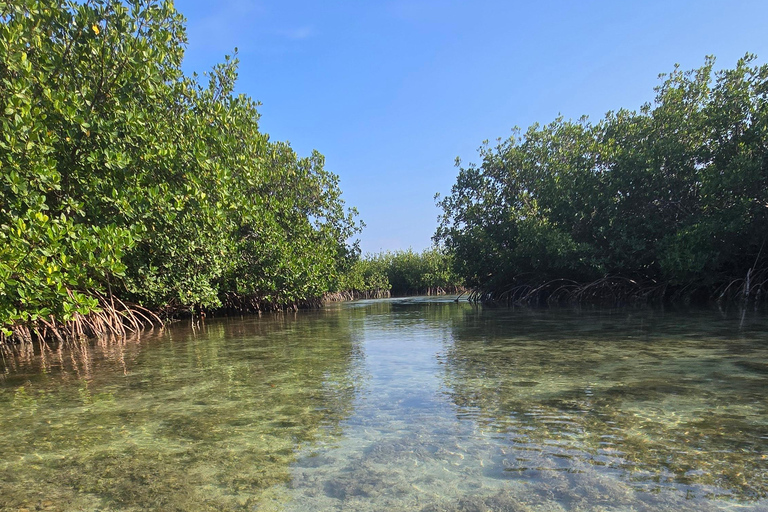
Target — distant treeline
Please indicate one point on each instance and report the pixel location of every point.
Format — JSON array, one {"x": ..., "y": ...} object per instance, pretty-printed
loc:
[
  {"x": 667, "y": 203},
  {"x": 127, "y": 186},
  {"x": 399, "y": 273}
]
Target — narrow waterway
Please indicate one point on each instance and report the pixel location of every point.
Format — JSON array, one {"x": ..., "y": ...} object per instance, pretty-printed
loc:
[{"x": 404, "y": 404}]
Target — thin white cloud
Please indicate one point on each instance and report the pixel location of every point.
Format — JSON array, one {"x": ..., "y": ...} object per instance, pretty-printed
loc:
[
  {"x": 222, "y": 29},
  {"x": 297, "y": 33},
  {"x": 245, "y": 6},
  {"x": 248, "y": 25}
]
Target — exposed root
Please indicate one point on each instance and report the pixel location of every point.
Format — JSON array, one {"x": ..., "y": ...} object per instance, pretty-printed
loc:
[
  {"x": 753, "y": 286},
  {"x": 385, "y": 294},
  {"x": 618, "y": 290},
  {"x": 356, "y": 295},
  {"x": 112, "y": 318},
  {"x": 244, "y": 304}
]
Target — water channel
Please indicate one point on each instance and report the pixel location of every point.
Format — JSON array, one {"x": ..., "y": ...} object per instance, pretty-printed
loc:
[{"x": 416, "y": 404}]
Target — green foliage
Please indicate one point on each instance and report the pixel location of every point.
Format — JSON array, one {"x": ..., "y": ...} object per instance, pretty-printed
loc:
[
  {"x": 121, "y": 174},
  {"x": 676, "y": 193},
  {"x": 365, "y": 277},
  {"x": 402, "y": 273}
]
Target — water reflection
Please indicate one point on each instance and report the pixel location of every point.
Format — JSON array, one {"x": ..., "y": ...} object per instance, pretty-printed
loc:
[
  {"x": 204, "y": 419},
  {"x": 402, "y": 404},
  {"x": 668, "y": 400}
]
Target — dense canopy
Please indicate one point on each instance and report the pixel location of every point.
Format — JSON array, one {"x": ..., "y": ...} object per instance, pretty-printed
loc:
[
  {"x": 400, "y": 273},
  {"x": 123, "y": 177},
  {"x": 670, "y": 201}
]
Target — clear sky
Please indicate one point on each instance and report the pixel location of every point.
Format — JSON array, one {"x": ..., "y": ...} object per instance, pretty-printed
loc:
[{"x": 392, "y": 91}]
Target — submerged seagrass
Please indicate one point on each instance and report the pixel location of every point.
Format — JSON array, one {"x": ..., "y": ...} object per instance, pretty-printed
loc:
[{"x": 404, "y": 404}]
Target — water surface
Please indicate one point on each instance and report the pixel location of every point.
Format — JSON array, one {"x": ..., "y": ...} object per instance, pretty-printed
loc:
[{"x": 402, "y": 404}]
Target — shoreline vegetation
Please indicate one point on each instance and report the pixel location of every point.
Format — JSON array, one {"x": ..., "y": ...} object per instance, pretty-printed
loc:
[
  {"x": 398, "y": 274},
  {"x": 665, "y": 204},
  {"x": 132, "y": 193},
  {"x": 131, "y": 190}
]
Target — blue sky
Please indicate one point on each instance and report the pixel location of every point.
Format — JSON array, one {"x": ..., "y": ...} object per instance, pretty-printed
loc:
[{"x": 392, "y": 91}]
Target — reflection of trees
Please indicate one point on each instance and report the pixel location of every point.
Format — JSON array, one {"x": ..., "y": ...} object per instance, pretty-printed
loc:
[
  {"x": 394, "y": 314},
  {"x": 208, "y": 419},
  {"x": 663, "y": 398}
]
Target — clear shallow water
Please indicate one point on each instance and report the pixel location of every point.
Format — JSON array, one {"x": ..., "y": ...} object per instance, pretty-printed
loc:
[{"x": 403, "y": 404}]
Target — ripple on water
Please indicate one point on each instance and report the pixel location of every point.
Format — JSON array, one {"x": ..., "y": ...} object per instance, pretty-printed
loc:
[{"x": 396, "y": 405}]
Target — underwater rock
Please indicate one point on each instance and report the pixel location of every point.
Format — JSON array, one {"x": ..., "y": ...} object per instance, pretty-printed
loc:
[
  {"x": 753, "y": 366},
  {"x": 501, "y": 502},
  {"x": 366, "y": 483}
]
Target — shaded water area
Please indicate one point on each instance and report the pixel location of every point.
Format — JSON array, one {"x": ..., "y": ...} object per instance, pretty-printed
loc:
[{"x": 399, "y": 404}]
